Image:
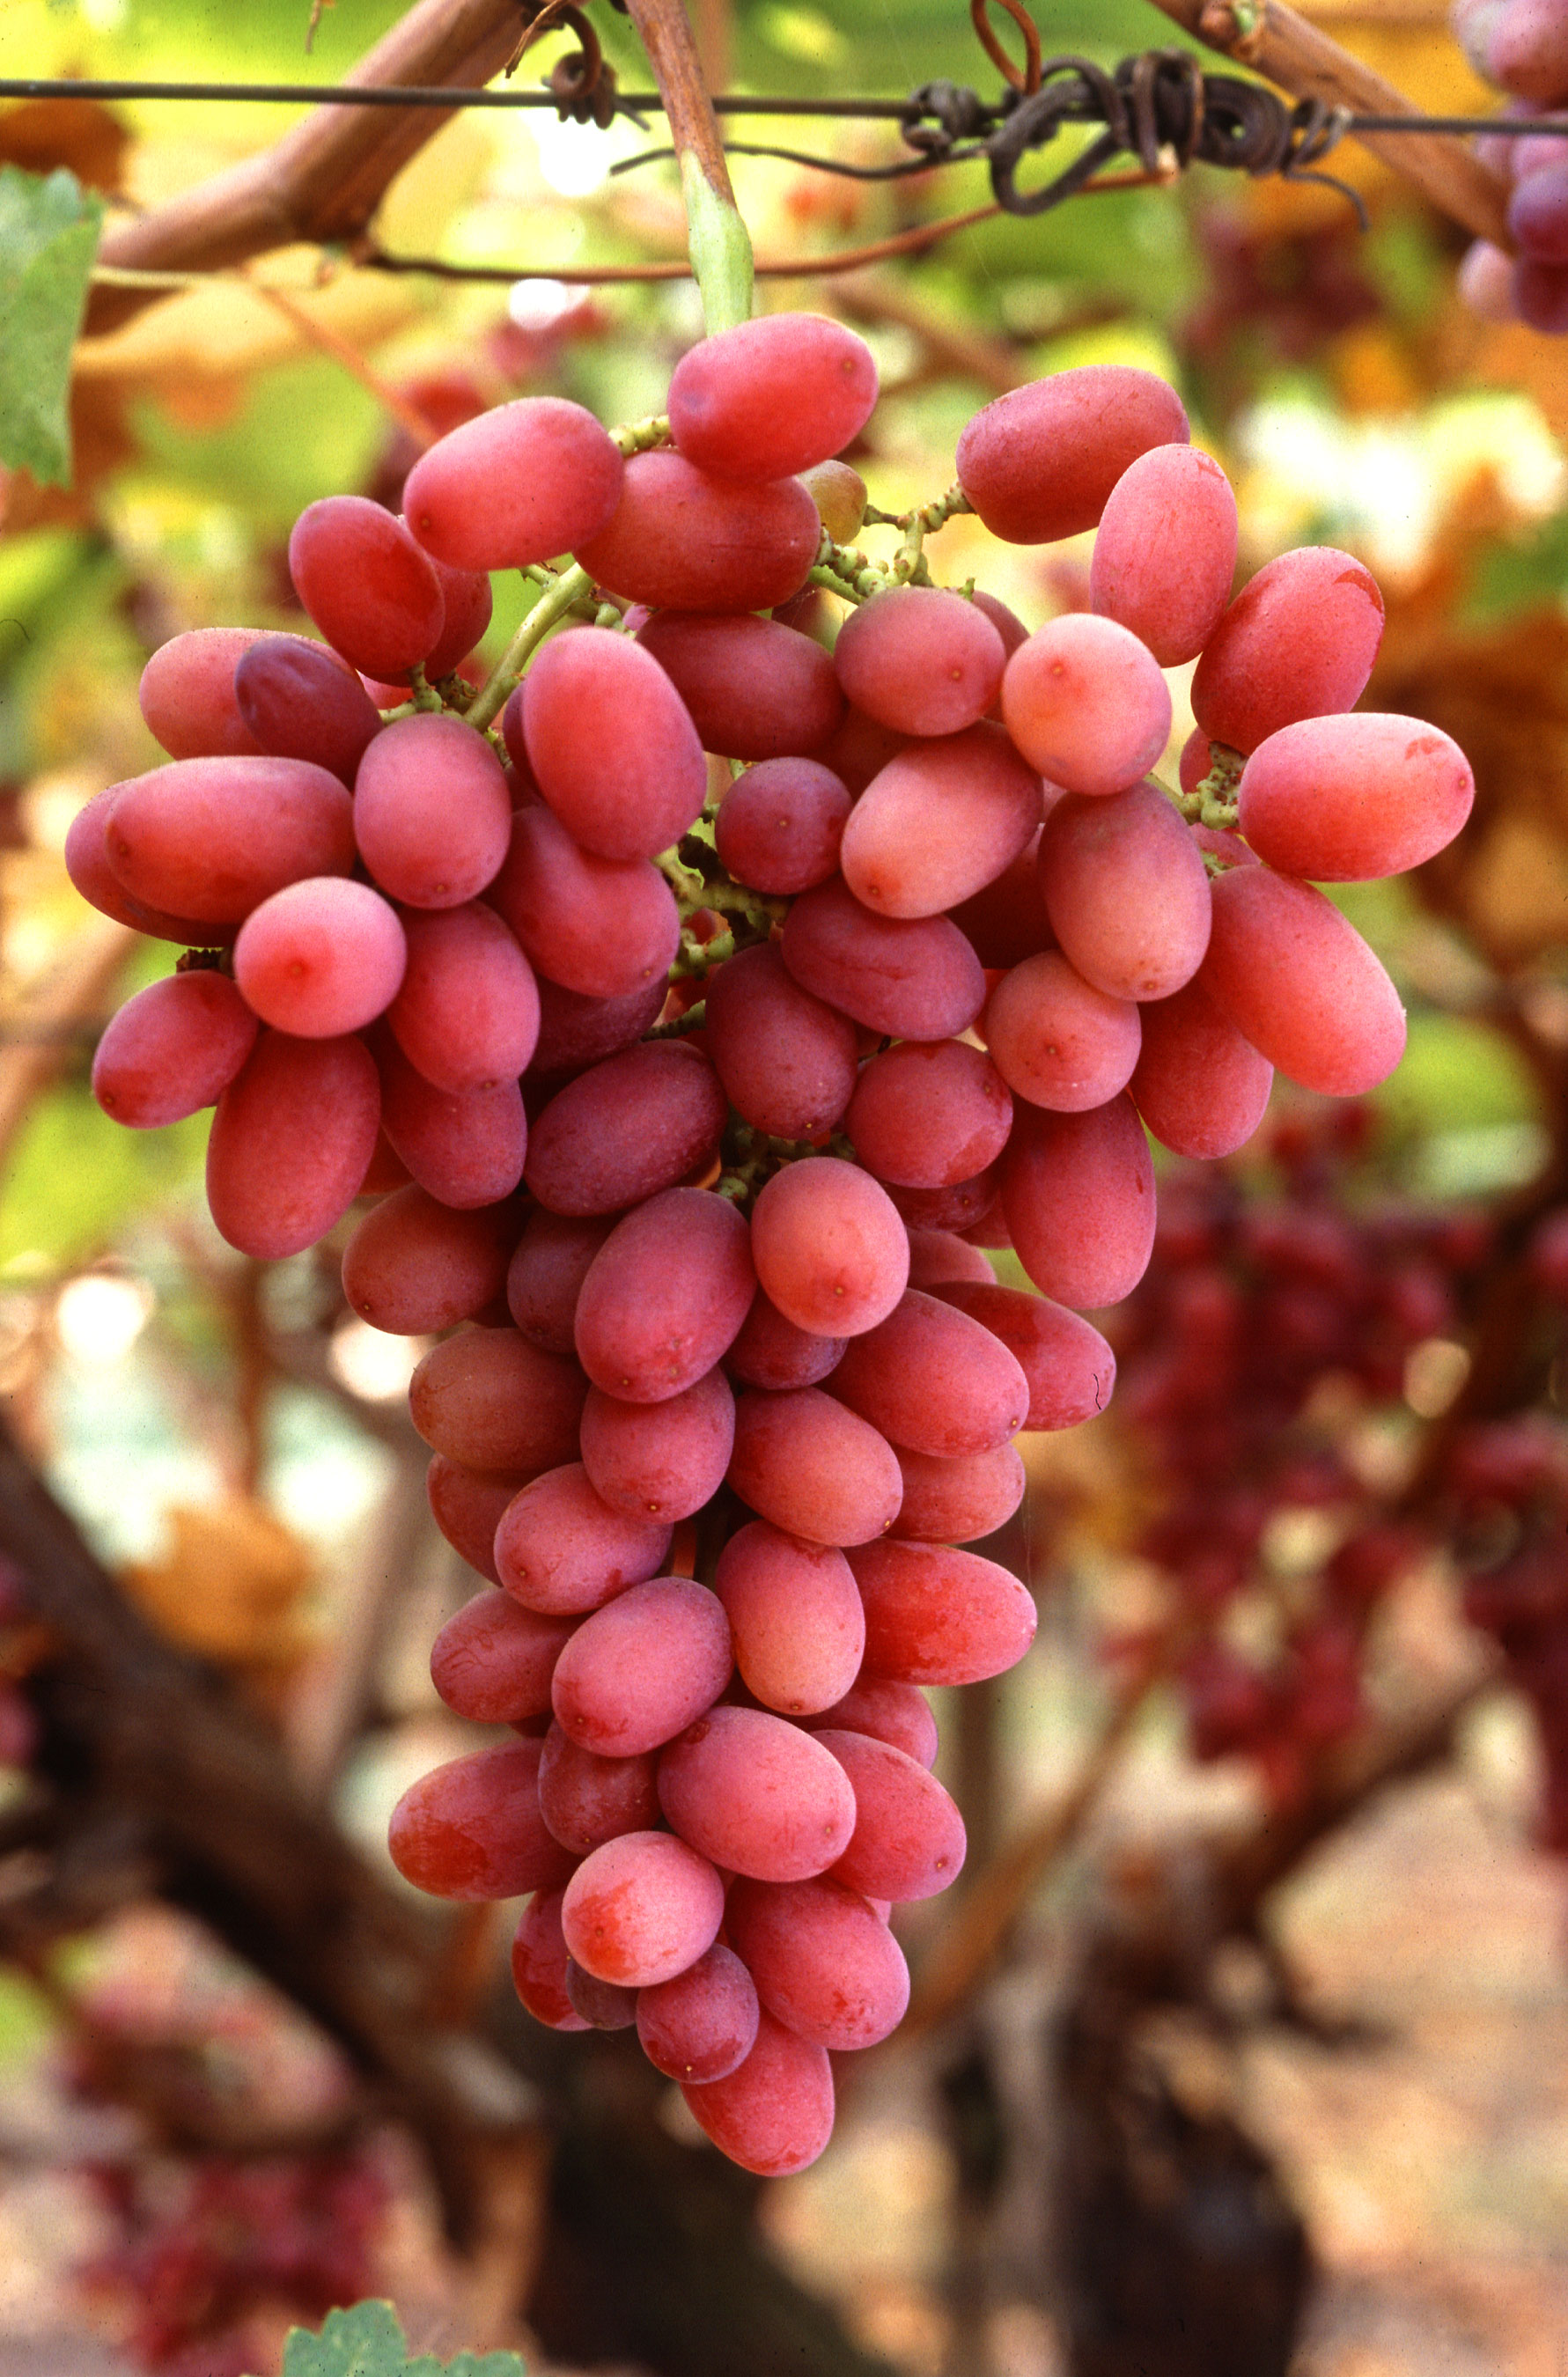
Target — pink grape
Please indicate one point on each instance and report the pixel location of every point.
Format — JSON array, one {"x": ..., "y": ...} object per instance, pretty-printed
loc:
[
  {"x": 187, "y": 694},
  {"x": 812, "y": 1467},
  {"x": 908, "y": 1840},
  {"x": 631, "y": 1126},
  {"x": 1345, "y": 799},
  {"x": 1298, "y": 641},
  {"x": 489, "y": 1400},
  {"x": 920, "y": 659},
  {"x": 940, "y": 821},
  {"x": 754, "y": 689},
  {"x": 770, "y": 1350},
  {"x": 1078, "y": 1191},
  {"x": 702, "y": 2025},
  {"x": 642, "y": 1668},
  {"x": 290, "y": 1142},
  {"x": 1040, "y": 462},
  {"x": 467, "y": 603},
  {"x": 431, "y": 812},
  {"x": 664, "y": 1296},
  {"x": 1124, "y": 887},
  {"x": 471, "y": 1829},
  {"x": 937, "y": 1615},
  {"x": 520, "y": 483},
  {"x": 172, "y": 1049},
  {"x": 684, "y": 540},
  {"x": 562, "y": 1551},
  {"x": 415, "y": 1267},
  {"x": 794, "y": 1615},
  {"x": 539, "y": 1963},
  {"x": 1005, "y": 922},
  {"x": 859, "y": 749},
  {"x": 546, "y": 1272},
  {"x": 212, "y": 837},
  {"x": 823, "y": 1962},
  {"x": 829, "y": 1246},
  {"x": 1069, "y": 1369},
  {"x": 929, "y": 1114},
  {"x": 895, "y": 1712},
  {"x": 587, "y": 1800},
  {"x": 914, "y": 978},
  {"x": 1528, "y": 51},
  {"x": 1302, "y": 986},
  {"x": 773, "y": 2114},
  {"x": 780, "y": 825},
  {"x": 466, "y": 1504},
  {"x": 665, "y": 1459},
  {"x": 372, "y": 593},
  {"x": 757, "y": 1795},
  {"x": 467, "y": 1015},
  {"x": 1538, "y": 215},
  {"x": 938, "y": 1257},
  {"x": 466, "y": 1148},
  {"x": 1164, "y": 552},
  {"x": 320, "y": 958},
  {"x": 640, "y": 1909},
  {"x": 1086, "y": 705},
  {"x": 1200, "y": 1086},
  {"x": 87, "y": 863},
  {"x": 957, "y": 1498},
  {"x": 1056, "y": 1040},
  {"x": 493, "y": 1662},
  {"x": 931, "y": 1380},
  {"x": 612, "y": 744},
  {"x": 787, "y": 1060},
  {"x": 771, "y": 396},
  {"x": 607, "y": 927},
  {"x": 300, "y": 701}
]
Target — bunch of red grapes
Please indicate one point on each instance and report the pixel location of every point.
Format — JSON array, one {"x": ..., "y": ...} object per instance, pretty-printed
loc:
[
  {"x": 690, "y": 1119},
  {"x": 1522, "y": 46}
]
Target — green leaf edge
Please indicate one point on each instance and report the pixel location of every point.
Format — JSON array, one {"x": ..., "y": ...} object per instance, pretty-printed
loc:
[{"x": 368, "y": 2341}]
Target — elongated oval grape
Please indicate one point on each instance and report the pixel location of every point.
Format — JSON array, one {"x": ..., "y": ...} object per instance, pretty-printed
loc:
[
  {"x": 936, "y": 1616},
  {"x": 290, "y": 1142},
  {"x": 520, "y": 483},
  {"x": 301, "y": 700},
  {"x": 813, "y": 1467},
  {"x": 212, "y": 837},
  {"x": 823, "y": 1961},
  {"x": 886, "y": 1711},
  {"x": 539, "y": 1963},
  {"x": 1298, "y": 641},
  {"x": 920, "y": 659},
  {"x": 1040, "y": 462},
  {"x": 1299, "y": 982},
  {"x": 1078, "y": 1191},
  {"x": 956, "y": 1499},
  {"x": 665, "y": 1460},
  {"x": 467, "y": 1015},
  {"x": 1069, "y": 1369},
  {"x": 916, "y": 978},
  {"x": 787, "y": 1060},
  {"x": 940, "y": 821},
  {"x": 373, "y": 595},
  {"x": 431, "y": 811},
  {"x": 829, "y": 1246},
  {"x": 1006, "y": 922},
  {"x": 929, "y": 1114},
  {"x": 471, "y": 1829},
  {"x": 780, "y": 825},
  {"x": 465, "y": 1148},
  {"x": 1124, "y": 884},
  {"x": 415, "y": 1267},
  {"x": 587, "y": 1800},
  {"x": 545, "y": 1275},
  {"x": 576, "y": 1031},
  {"x": 684, "y": 540},
  {"x": 620, "y": 1133},
  {"x": 320, "y": 958},
  {"x": 87, "y": 863},
  {"x": 492, "y": 1663},
  {"x": 771, "y": 396},
  {"x": 664, "y": 1296},
  {"x": 1200, "y": 1085},
  {"x": 770, "y": 1350},
  {"x": 490, "y": 1400},
  {"x": 640, "y": 1909},
  {"x": 642, "y": 1668},
  {"x": 757, "y": 1795},
  {"x": 466, "y": 1504},
  {"x": 773, "y": 2114},
  {"x": 1056, "y": 1040},
  {"x": 1165, "y": 551},
  {"x": 467, "y": 603},
  {"x": 938, "y": 1257},
  {"x": 754, "y": 689},
  {"x": 796, "y": 1619},
  {"x": 562, "y": 1551},
  {"x": 187, "y": 694},
  {"x": 1343, "y": 800},
  {"x": 908, "y": 1840},
  {"x": 612, "y": 744},
  {"x": 934, "y": 1380},
  {"x": 603, "y": 927},
  {"x": 702, "y": 2025},
  {"x": 1085, "y": 703},
  {"x": 172, "y": 1049}
]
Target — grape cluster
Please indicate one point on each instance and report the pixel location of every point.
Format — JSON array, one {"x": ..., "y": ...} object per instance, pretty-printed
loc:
[
  {"x": 693, "y": 1121},
  {"x": 1522, "y": 45}
]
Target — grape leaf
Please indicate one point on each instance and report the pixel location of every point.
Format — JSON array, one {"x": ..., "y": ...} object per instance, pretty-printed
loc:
[
  {"x": 48, "y": 238},
  {"x": 368, "y": 2342}
]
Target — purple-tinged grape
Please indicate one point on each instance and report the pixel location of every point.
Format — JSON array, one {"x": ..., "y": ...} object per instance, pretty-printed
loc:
[
  {"x": 829, "y": 1248},
  {"x": 587, "y": 1800},
  {"x": 1165, "y": 551},
  {"x": 493, "y": 1662},
  {"x": 908, "y": 1840},
  {"x": 754, "y": 689},
  {"x": 757, "y": 1795},
  {"x": 1200, "y": 1086},
  {"x": 929, "y": 1114},
  {"x": 936, "y": 1616},
  {"x": 637, "y": 1123},
  {"x": 471, "y": 1829},
  {"x": 664, "y": 1296},
  {"x": 940, "y": 821},
  {"x": 813, "y": 1467},
  {"x": 1527, "y": 52},
  {"x": 300, "y": 701},
  {"x": 604, "y": 927},
  {"x": 957, "y": 1498},
  {"x": 539, "y": 1961},
  {"x": 523, "y": 483},
  {"x": 780, "y": 825},
  {"x": 1537, "y": 214},
  {"x": 824, "y": 1964},
  {"x": 360, "y": 575},
  {"x": 962, "y": 1207},
  {"x": 320, "y": 958},
  {"x": 187, "y": 694},
  {"x": 939, "y": 1258},
  {"x": 431, "y": 811},
  {"x": 773, "y": 2114},
  {"x": 875, "y": 1705},
  {"x": 796, "y": 1619},
  {"x": 1069, "y": 1369},
  {"x": 859, "y": 749},
  {"x": 466, "y": 1504},
  {"x": 787, "y": 1060},
  {"x": 1056, "y": 1040},
  {"x": 604, "y": 2005},
  {"x": 920, "y": 660},
  {"x": 931, "y": 1380},
  {"x": 562, "y": 1551},
  {"x": 703, "y": 2026},
  {"x": 1006, "y": 922},
  {"x": 213, "y": 837},
  {"x": 576, "y": 1032},
  {"x": 290, "y": 1142},
  {"x": 1123, "y": 885},
  {"x": 683, "y": 540},
  {"x": 546, "y": 1273},
  {"x": 1086, "y": 705},
  {"x": 1078, "y": 1192},
  {"x": 666, "y": 1459},
  {"x": 1299, "y": 982},
  {"x": 489, "y": 1400},
  {"x": 612, "y": 744},
  {"x": 1040, "y": 462},
  {"x": 467, "y": 603},
  {"x": 467, "y": 1149},
  {"x": 1541, "y": 297},
  {"x": 415, "y": 1267},
  {"x": 172, "y": 1049},
  {"x": 467, "y": 1016},
  {"x": 772, "y": 397},
  {"x": 1298, "y": 641},
  {"x": 1343, "y": 800},
  {"x": 642, "y": 1668},
  {"x": 771, "y": 1351},
  {"x": 641, "y": 1909}
]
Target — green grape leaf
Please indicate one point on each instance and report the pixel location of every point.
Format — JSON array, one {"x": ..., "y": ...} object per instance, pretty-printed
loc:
[
  {"x": 368, "y": 2342},
  {"x": 48, "y": 239}
]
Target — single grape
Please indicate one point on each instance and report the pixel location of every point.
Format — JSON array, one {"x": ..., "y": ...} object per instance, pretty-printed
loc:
[
  {"x": 465, "y": 1148},
  {"x": 929, "y": 1114},
  {"x": 940, "y": 821},
  {"x": 1164, "y": 553},
  {"x": 859, "y": 749},
  {"x": 812, "y": 1467},
  {"x": 702, "y": 2025},
  {"x": 415, "y": 1267},
  {"x": 472, "y": 1828},
  {"x": 1124, "y": 887},
  {"x": 931, "y": 1380},
  {"x": 1299, "y": 982},
  {"x": 642, "y": 1668},
  {"x": 772, "y": 397},
  {"x": 628, "y": 1128},
  {"x": 936, "y": 1616},
  {"x": 1040, "y": 462},
  {"x": 641, "y": 1909},
  {"x": 770, "y": 1350},
  {"x": 684, "y": 540},
  {"x": 823, "y": 1962},
  {"x": 1538, "y": 215},
  {"x": 1199, "y": 1085},
  {"x": 491, "y": 1401},
  {"x": 773, "y": 2114},
  {"x": 780, "y": 825},
  {"x": 1078, "y": 1192},
  {"x": 1345, "y": 799},
  {"x": 520, "y": 483},
  {"x": 1086, "y": 705},
  {"x": 612, "y": 744},
  {"x": 431, "y": 812},
  {"x": 664, "y": 1296},
  {"x": 290, "y": 1142},
  {"x": 913, "y": 978},
  {"x": 787, "y": 1060},
  {"x": 796, "y": 1619},
  {"x": 957, "y": 1498},
  {"x": 213, "y": 837},
  {"x": 492, "y": 1663},
  {"x": 372, "y": 593},
  {"x": 300, "y": 701},
  {"x": 1056, "y": 1040},
  {"x": 320, "y": 958},
  {"x": 829, "y": 1246},
  {"x": 1298, "y": 641},
  {"x": 754, "y": 689},
  {"x": 666, "y": 1459},
  {"x": 587, "y": 1800},
  {"x": 920, "y": 659},
  {"x": 1527, "y": 52},
  {"x": 756, "y": 1795},
  {"x": 908, "y": 1840},
  {"x": 545, "y": 1275},
  {"x": 562, "y": 1551},
  {"x": 605, "y": 927},
  {"x": 172, "y": 1049},
  {"x": 467, "y": 1016}
]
